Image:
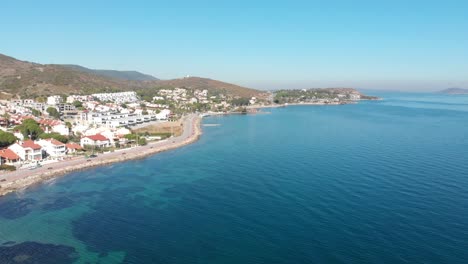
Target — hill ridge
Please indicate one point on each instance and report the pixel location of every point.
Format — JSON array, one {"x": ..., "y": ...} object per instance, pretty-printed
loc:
[
  {"x": 30, "y": 80},
  {"x": 129, "y": 75}
]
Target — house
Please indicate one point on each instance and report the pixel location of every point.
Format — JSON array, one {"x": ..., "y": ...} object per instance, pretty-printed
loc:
[
  {"x": 7, "y": 156},
  {"x": 164, "y": 114},
  {"x": 73, "y": 148},
  {"x": 54, "y": 100},
  {"x": 52, "y": 147},
  {"x": 62, "y": 129},
  {"x": 27, "y": 150},
  {"x": 97, "y": 140}
]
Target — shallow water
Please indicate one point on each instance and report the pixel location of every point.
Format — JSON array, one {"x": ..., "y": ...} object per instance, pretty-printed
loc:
[{"x": 376, "y": 182}]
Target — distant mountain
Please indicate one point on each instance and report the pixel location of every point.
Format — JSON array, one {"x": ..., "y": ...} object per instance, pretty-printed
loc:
[
  {"x": 455, "y": 91},
  {"x": 121, "y": 75},
  {"x": 30, "y": 80}
]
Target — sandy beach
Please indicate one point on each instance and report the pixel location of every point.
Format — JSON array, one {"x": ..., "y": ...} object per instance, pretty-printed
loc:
[{"x": 21, "y": 179}]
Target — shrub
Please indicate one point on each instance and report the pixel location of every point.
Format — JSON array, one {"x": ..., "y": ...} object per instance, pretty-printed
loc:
[{"x": 7, "y": 167}]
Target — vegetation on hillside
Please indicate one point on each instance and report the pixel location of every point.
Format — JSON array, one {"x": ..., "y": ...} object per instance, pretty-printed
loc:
[
  {"x": 32, "y": 80},
  {"x": 6, "y": 139},
  {"x": 308, "y": 95},
  {"x": 30, "y": 129}
]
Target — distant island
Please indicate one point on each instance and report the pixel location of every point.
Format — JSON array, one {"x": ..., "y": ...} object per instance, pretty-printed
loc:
[{"x": 454, "y": 91}]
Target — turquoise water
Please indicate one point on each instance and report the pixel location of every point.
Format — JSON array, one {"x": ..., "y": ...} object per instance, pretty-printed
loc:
[{"x": 376, "y": 182}]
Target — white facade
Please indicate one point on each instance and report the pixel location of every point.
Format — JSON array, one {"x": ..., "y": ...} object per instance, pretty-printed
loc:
[
  {"x": 18, "y": 150},
  {"x": 54, "y": 100},
  {"x": 52, "y": 147},
  {"x": 115, "y": 120},
  {"x": 92, "y": 141},
  {"x": 80, "y": 98},
  {"x": 163, "y": 115},
  {"x": 26, "y": 153},
  {"x": 61, "y": 129},
  {"x": 123, "y": 97}
]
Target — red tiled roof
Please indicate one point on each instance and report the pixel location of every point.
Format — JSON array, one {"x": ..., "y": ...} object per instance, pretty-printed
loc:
[
  {"x": 30, "y": 144},
  {"x": 49, "y": 122},
  {"x": 73, "y": 146},
  {"x": 97, "y": 137},
  {"x": 26, "y": 117},
  {"x": 55, "y": 142},
  {"x": 8, "y": 154}
]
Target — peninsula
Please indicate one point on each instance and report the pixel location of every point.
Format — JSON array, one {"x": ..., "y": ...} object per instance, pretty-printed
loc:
[
  {"x": 320, "y": 96},
  {"x": 454, "y": 91}
]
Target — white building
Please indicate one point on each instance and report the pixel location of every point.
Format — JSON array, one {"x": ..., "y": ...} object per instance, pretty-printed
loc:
[
  {"x": 52, "y": 147},
  {"x": 7, "y": 156},
  {"x": 80, "y": 98},
  {"x": 164, "y": 114},
  {"x": 122, "y": 97},
  {"x": 27, "y": 150},
  {"x": 98, "y": 141},
  {"x": 253, "y": 100},
  {"x": 54, "y": 100},
  {"x": 73, "y": 148},
  {"x": 61, "y": 129}
]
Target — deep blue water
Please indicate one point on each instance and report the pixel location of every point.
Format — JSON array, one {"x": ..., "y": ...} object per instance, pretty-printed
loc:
[{"x": 376, "y": 182}]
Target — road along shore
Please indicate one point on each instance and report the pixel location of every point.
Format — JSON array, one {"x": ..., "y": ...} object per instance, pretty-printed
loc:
[{"x": 20, "y": 180}]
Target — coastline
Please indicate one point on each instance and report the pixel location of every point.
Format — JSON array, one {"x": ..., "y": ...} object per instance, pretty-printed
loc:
[
  {"x": 293, "y": 104},
  {"x": 20, "y": 180}
]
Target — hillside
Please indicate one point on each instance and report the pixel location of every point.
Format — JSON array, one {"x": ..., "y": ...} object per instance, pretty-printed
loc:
[
  {"x": 30, "y": 80},
  {"x": 121, "y": 75},
  {"x": 455, "y": 91},
  {"x": 213, "y": 86}
]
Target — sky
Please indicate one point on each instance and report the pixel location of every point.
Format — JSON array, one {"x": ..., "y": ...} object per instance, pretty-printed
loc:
[{"x": 392, "y": 45}]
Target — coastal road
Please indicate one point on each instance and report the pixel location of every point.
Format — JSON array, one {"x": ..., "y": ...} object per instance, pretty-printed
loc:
[{"x": 189, "y": 130}]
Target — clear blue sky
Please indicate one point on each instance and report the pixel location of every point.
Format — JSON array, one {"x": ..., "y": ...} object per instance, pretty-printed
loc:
[{"x": 393, "y": 44}]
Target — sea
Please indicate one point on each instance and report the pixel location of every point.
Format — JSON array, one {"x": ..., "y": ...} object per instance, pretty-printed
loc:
[{"x": 374, "y": 182}]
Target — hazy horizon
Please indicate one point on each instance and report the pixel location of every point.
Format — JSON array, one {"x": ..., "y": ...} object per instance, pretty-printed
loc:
[{"x": 404, "y": 46}]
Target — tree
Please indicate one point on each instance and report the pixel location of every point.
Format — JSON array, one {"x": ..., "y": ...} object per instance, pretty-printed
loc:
[
  {"x": 142, "y": 141},
  {"x": 78, "y": 104},
  {"x": 35, "y": 112},
  {"x": 6, "y": 139},
  {"x": 52, "y": 111},
  {"x": 240, "y": 101},
  {"x": 6, "y": 116},
  {"x": 147, "y": 98},
  {"x": 30, "y": 129}
]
